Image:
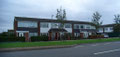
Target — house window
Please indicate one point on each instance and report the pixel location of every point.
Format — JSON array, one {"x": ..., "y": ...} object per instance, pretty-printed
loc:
[
  {"x": 60, "y": 25},
  {"x": 82, "y": 27},
  {"x": 30, "y": 24},
  {"x": 111, "y": 28},
  {"x": 33, "y": 34},
  {"x": 106, "y": 29},
  {"x": 88, "y": 27},
  {"x": 20, "y": 34},
  {"x": 76, "y": 26},
  {"x": 44, "y": 34},
  {"x": 77, "y": 34},
  {"x": 100, "y": 29},
  {"x": 67, "y": 25},
  {"x": 44, "y": 25},
  {"x": 92, "y": 27},
  {"x": 54, "y": 25}
]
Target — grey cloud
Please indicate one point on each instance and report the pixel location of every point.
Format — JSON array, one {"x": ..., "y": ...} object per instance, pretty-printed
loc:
[{"x": 81, "y": 10}]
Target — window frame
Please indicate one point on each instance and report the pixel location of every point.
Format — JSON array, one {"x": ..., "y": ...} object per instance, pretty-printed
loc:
[
  {"x": 68, "y": 25},
  {"x": 44, "y": 25}
]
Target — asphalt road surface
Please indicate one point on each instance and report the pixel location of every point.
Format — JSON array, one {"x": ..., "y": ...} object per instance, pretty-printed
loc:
[{"x": 107, "y": 49}]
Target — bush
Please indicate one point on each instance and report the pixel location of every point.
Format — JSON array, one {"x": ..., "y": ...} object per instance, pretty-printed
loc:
[
  {"x": 96, "y": 36},
  {"x": 39, "y": 38},
  {"x": 11, "y": 39},
  {"x": 114, "y": 34}
]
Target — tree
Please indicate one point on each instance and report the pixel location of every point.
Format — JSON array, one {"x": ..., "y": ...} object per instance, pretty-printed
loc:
[
  {"x": 116, "y": 27},
  {"x": 117, "y": 19},
  {"x": 61, "y": 17},
  {"x": 96, "y": 19}
]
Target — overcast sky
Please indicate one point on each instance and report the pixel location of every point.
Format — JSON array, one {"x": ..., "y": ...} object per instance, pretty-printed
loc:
[{"x": 80, "y": 10}]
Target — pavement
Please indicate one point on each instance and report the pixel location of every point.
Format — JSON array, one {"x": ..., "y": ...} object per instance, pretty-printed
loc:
[
  {"x": 106, "y": 49},
  {"x": 34, "y": 48}
]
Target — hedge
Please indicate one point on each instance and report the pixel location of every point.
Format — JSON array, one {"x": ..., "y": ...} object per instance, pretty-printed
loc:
[
  {"x": 96, "y": 36},
  {"x": 11, "y": 39},
  {"x": 39, "y": 38},
  {"x": 114, "y": 34}
]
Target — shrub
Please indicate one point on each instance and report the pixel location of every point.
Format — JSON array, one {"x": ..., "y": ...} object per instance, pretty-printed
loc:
[
  {"x": 39, "y": 38},
  {"x": 96, "y": 36},
  {"x": 114, "y": 34},
  {"x": 11, "y": 39},
  {"x": 21, "y": 39}
]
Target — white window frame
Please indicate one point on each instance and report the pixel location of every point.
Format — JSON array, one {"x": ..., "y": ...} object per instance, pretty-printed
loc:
[
  {"x": 44, "y": 25},
  {"x": 68, "y": 25}
]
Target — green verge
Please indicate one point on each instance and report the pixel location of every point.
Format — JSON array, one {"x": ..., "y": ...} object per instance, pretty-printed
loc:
[{"x": 54, "y": 43}]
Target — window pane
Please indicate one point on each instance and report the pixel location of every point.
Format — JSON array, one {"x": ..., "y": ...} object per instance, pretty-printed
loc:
[
  {"x": 67, "y": 25},
  {"x": 76, "y": 26},
  {"x": 27, "y": 24},
  {"x": 33, "y": 34},
  {"x": 54, "y": 25},
  {"x": 44, "y": 25},
  {"x": 81, "y": 26}
]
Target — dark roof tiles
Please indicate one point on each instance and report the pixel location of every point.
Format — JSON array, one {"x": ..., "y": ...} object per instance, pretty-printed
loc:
[{"x": 50, "y": 20}]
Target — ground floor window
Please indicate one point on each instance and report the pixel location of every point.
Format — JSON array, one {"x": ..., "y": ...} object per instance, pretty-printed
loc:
[
  {"x": 21, "y": 34},
  {"x": 44, "y": 34},
  {"x": 76, "y": 34},
  {"x": 33, "y": 34},
  {"x": 87, "y": 34}
]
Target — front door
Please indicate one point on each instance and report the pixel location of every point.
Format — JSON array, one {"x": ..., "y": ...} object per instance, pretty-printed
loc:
[{"x": 53, "y": 36}]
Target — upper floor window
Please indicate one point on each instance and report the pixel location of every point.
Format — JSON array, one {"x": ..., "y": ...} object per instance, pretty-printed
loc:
[
  {"x": 82, "y": 27},
  {"x": 106, "y": 29},
  {"x": 54, "y": 25},
  {"x": 100, "y": 29},
  {"x": 111, "y": 28},
  {"x": 88, "y": 27},
  {"x": 44, "y": 25},
  {"x": 76, "y": 26},
  {"x": 27, "y": 24},
  {"x": 60, "y": 25},
  {"x": 67, "y": 25},
  {"x": 92, "y": 27}
]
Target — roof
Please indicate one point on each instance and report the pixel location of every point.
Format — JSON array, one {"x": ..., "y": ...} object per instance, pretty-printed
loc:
[
  {"x": 11, "y": 30},
  {"x": 57, "y": 30},
  {"x": 50, "y": 20},
  {"x": 107, "y": 25}
]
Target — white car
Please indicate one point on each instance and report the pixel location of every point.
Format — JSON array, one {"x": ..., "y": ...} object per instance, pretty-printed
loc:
[{"x": 106, "y": 36}]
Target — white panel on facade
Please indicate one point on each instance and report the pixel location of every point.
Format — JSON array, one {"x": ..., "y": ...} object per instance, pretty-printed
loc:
[
  {"x": 108, "y": 29},
  {"x": 69, "y": 30}
]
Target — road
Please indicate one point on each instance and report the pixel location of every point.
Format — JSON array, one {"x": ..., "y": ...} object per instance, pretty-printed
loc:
[{"x": 106, "y": 49}]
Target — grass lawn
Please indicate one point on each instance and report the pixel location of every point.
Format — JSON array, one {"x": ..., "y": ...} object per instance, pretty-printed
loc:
[{"x": 53, "y": 43}]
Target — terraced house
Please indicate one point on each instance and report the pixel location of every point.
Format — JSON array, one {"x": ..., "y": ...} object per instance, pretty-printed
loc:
[
  {"x": 39, "y": 26},
  {"x": 106, "y": 29}
]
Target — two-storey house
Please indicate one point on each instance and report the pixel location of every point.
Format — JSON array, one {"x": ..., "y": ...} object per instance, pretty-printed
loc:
[
  {"x": 105, "y": 29},
  {"x": 51, "y": 27}
]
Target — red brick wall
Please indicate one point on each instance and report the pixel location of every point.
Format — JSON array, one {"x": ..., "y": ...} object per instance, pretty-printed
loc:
[
  {"x": 49, "y": 38},
  {"x": 38, "y": 28},
  {"x": 27, "y": 37},
  {"x": 81, "y": 35},
  {"x": 72, "y": 30},
  {"x": 15, "y": 27}
]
